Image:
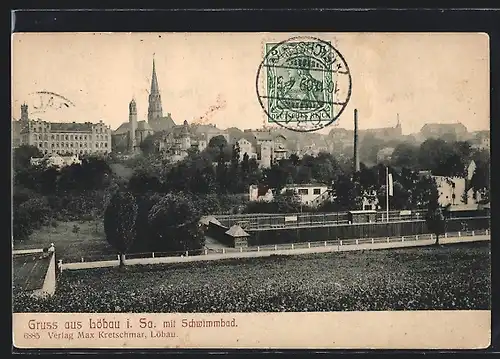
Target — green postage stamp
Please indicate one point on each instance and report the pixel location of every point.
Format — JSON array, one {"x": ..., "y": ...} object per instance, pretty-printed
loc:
[{"x": 307, "y": 83}]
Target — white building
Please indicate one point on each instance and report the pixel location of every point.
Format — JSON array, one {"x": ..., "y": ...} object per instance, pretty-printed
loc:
[
  {"x": 450, "y": 190},
  {"x": 260, "y": 193},
  {"x": 310, "y": 194},
  {"x": 55, "y": 160},
  {"x": 370, "y": 201},
  {"x": 246, "y": 147}
]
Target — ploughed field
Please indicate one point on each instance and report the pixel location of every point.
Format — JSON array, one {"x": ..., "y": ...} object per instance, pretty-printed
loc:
[{"x": 455, "y": 276}]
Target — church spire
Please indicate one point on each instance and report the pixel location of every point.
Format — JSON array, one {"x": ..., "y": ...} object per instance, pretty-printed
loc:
[
  {"x": 155, "y": 110},
  {"x": 154, "y": 80}
]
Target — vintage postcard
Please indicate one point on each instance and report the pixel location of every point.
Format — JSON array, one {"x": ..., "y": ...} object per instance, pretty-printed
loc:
[{"x": 251, "y": 190}]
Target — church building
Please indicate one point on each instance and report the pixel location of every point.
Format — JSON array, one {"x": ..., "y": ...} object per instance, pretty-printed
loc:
[{"x": 129, "y": 135}]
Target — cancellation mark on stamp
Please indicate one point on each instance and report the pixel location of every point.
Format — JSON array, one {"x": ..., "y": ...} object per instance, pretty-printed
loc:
[{"x": 303, "y": 83}]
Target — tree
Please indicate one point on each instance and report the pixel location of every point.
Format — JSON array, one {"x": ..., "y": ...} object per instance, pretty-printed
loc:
[
  {"x": 221, "y": 171},
  {"x": 22, "y": 156},
  {"x": 217, "y": 142},
  {"x": 436, "y": 221},
  {"x": 295, "y": 159},
  {"x": 148, "y": 145},
  {"x": 120, "y": 222},
  {"x": 347, "y": 194},
  {"x": 287, "y": 202},
  {"x": 425, "y": 193},
  {"x": 174, "y": 224},
  {"x": 405, "y": 156}
]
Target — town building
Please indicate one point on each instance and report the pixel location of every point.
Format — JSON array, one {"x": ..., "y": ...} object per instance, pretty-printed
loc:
[
  {"x": 208, "y": 131},
  {"x": 369, "y": 201},
  {"x": 55, "y": 160},
  {"x": 309, "y": 194},
  {"x": 481, "y": 140},
  {"x": 385, "y": 154},
  {"x": 260, "y": 193},
  {"x": 62, "y": 138},
  {"x": 129, "y": 135},
  {"x": 384, "y": 133},
  {"x": 456, "y": 131},
  {"x": 263, "y": 145}
]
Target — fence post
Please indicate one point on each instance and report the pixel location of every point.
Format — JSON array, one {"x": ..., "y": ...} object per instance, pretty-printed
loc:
[
  {"x": 206, "y": 251},
  {"x": 308, "y": 244},
  {"x": 357, "y": 242},
  {"x": 341, "y": 242},
  {"x": 446, "y": 235},
  {"x": 373, "y": 240},
  {"x": 292, "y": 245},
  {"x": 486, "y": 232},
  {"x": 431, "y": 236},
  {"x": 325, "y": 243},
  {"x": 241, "y": 249},
  {"x": 473, "y": 233},
  {"x": 153, "y": 254},
  {"x": 416, "y": 237},
  {"x": 402, "y": 238},
  {"x": 258, "y": 248},
  {"x": 187, "y": 253},
  {"x": 275, "y": 247},
  {"x": 387, "y": 239},
  {"x": 459, "y": 234},
  {"x": 223, "y": 250}
]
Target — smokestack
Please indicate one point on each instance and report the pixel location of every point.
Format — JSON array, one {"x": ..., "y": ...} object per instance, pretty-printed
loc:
[{"x": 356, "y": 145}]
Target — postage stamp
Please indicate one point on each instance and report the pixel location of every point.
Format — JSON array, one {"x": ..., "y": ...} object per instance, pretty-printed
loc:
[{"x": 307, "y": 83}]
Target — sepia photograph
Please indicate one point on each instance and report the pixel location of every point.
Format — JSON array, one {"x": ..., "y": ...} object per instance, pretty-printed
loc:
[{"x": 217, "y": 173}]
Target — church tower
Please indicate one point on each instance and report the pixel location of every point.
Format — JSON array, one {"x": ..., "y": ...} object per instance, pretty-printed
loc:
[
  {"x": 132, "y": 121},
  {"x": 24, "y": 112},
  {"x": 155, "y": 111}
]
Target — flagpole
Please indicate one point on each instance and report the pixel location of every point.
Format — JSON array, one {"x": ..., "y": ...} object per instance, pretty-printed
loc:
[{"x": 387, "y": 192}]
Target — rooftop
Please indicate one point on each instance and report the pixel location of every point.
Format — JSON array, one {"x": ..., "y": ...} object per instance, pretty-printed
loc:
[
  {"x": 237, "y": 231},
  {"x": 295, "y": 185},
  {"x": 71, "y": 127},
  {"x": 29, "y": 270}
]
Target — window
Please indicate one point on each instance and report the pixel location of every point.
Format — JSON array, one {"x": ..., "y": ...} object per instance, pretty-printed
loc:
[
  {"x": 57, "y": 137},
  {"x": 71, "y": 137},
  {"x": 105, "y": 144},
  {"x": 367, "y": 207},
  {"x": 52, "y": 137},
  {"x": 85, "y": 137},
  {"x": 66, "y": 137},
  {"x": 317, "y": 191},
  {"x": 303, "y": 191},
  {"x": 45, "y": 137}
]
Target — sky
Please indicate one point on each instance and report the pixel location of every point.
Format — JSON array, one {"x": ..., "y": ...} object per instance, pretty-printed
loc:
[{"x": 211, "y": 77}]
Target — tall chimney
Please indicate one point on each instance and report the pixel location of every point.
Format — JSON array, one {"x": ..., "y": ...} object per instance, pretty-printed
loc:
[{"x": 356, "y": 144}]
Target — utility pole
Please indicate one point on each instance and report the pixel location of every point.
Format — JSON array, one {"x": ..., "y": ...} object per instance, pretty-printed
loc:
[{"x": 387, "y": 192}]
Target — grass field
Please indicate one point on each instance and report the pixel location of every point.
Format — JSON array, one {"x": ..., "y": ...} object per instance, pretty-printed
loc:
[
  {"x": 448, "y": 277},
  {"x": 89, "y": 242}
]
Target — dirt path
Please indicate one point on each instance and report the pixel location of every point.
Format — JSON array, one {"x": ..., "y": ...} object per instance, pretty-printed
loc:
[{"x": 269, "y": 252}]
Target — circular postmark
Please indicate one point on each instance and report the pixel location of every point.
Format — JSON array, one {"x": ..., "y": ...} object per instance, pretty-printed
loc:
[
  {"x": 303, "y": 83},
  {"x": 46, "y": 101}
]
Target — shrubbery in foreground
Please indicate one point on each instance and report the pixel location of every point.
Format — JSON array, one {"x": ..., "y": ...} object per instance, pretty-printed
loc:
[{"x": 426, "y": 278}]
